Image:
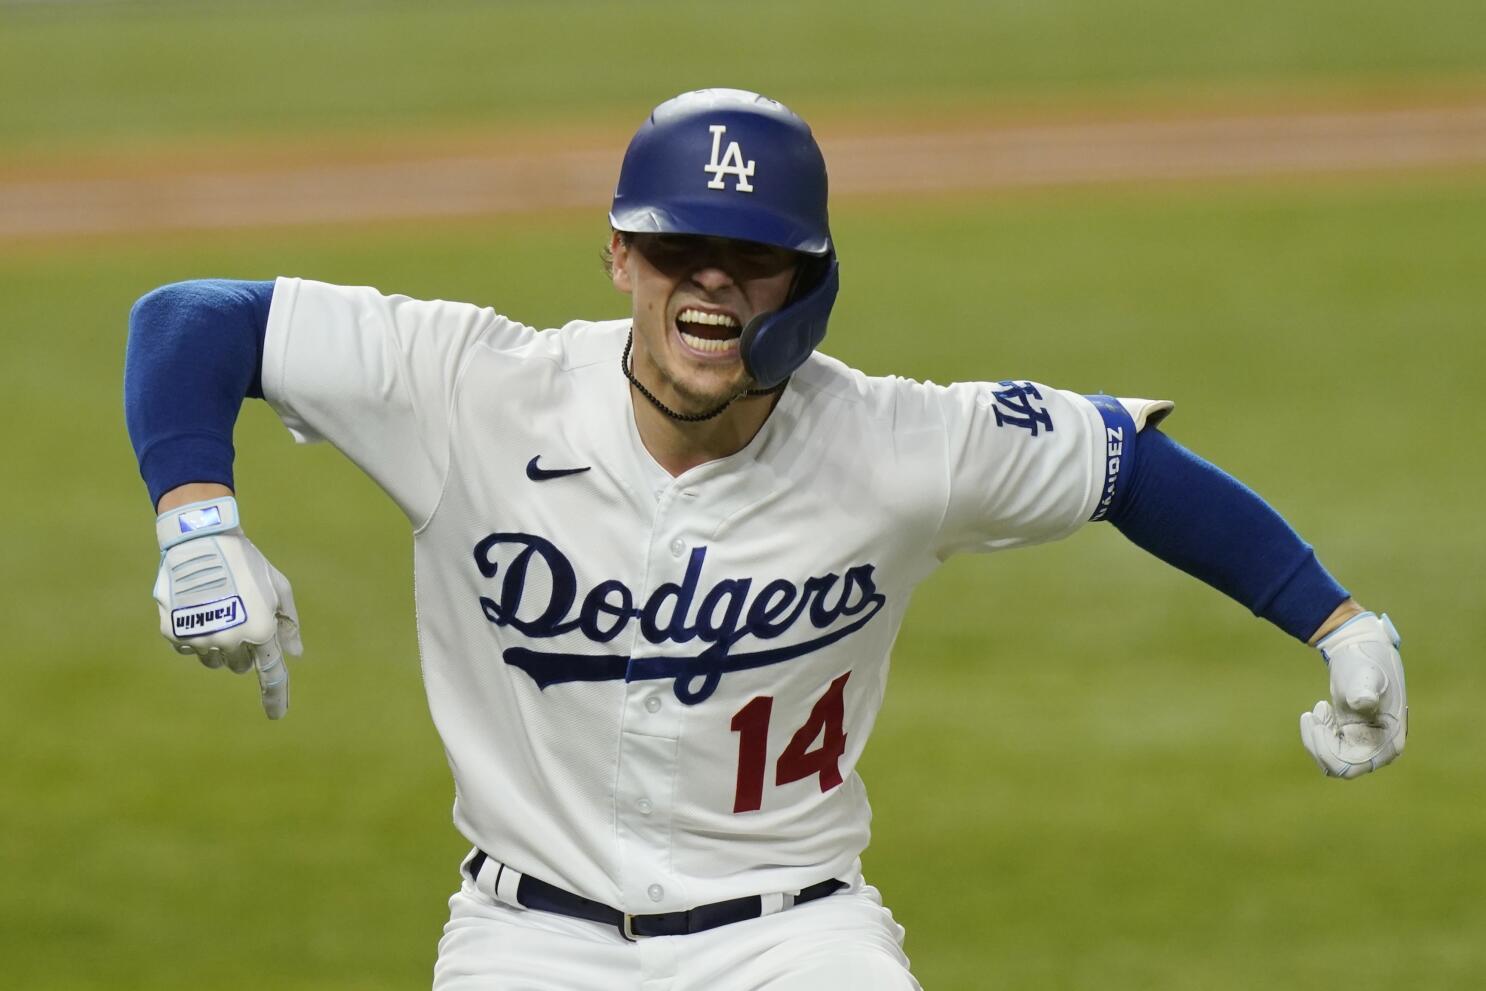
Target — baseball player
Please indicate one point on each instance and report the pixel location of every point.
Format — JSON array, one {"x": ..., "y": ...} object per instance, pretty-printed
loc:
[{"x": 661, "y": 561}]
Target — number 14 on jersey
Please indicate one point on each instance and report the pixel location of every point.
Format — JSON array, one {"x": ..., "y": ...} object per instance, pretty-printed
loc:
[{"x": 800, "y": 759}]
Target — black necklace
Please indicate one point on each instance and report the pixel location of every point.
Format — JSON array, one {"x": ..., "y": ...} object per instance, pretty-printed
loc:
[{"x": 624, "y": 364}]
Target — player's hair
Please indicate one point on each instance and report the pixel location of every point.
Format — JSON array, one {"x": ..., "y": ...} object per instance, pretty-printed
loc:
[{"x": 606, "y": 253}]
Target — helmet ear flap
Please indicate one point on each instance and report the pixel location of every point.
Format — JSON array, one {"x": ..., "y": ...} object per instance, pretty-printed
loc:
[
  {"x": 810, "y": 273},
  {"x": 774, "y": 344}
]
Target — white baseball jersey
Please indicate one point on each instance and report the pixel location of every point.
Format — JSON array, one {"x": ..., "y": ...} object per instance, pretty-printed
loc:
[{"x": 654, "y": 691}]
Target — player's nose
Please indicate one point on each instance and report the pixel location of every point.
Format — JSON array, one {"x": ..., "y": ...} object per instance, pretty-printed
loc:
[
  {"x": 716, "y": 265},
  {"x": 712, "y": 276}
]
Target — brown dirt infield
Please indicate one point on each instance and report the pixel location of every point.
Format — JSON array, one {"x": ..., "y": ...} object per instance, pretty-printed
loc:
[{"x": 546, "y": 171}]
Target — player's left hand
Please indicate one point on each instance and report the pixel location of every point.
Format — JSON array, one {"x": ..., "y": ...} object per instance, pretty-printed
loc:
[{"x": 1366, "y": 723}]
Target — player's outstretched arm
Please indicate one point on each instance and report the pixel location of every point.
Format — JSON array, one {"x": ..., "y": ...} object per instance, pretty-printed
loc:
[
  {"x": 194, "y": 354},
  {"x": 1194, "y": 516}
]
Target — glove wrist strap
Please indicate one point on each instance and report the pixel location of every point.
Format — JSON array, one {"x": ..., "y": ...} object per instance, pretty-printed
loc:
[
  {"x": 1354, "y": 628},
  {"x": 197, "y": 519}
]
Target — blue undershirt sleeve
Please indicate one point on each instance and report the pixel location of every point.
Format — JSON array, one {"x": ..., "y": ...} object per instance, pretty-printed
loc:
[
  {"x": 195, "y": 352},
  {"x": 1196, "y": 517}
]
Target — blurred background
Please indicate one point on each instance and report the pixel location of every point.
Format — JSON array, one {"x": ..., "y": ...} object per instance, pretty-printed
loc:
[{"x": 1087, "y": 773}]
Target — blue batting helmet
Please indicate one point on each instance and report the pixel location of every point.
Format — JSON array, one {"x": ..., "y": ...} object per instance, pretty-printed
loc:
[{"x": 730, "y": 163}]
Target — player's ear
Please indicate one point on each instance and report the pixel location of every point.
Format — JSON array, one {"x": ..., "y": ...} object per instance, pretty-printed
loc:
[{"x": 619, "y": 262}]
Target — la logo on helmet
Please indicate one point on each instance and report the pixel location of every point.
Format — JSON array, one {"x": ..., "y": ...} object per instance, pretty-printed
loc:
[{"x": 732, "y": 163}]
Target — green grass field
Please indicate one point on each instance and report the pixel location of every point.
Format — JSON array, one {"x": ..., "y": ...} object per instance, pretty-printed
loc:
[
  {"x": 1087, "y": 774},
  {"x": 90, "y": 75}
]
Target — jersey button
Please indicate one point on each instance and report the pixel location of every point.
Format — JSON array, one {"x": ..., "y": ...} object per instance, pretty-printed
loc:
[
  {"x": 677, "y": 547},
  {"x": 652, "y": 704},
  {"x": 644, "y": 806},
  {"x": 656, "y": 892}
]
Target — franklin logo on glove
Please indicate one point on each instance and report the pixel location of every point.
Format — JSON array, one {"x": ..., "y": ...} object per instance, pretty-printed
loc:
[{"x": 209, "y": 617}]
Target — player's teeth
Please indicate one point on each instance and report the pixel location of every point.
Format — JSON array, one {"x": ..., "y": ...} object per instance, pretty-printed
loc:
[
  {"x": 711, "y": 319},
  {"x": 706, "y": 344}
]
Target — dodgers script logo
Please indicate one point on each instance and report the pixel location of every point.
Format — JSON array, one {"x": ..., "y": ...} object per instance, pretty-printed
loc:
[
  {"x": 538, "y": 597},
  {"x": 732, "y": 163}
]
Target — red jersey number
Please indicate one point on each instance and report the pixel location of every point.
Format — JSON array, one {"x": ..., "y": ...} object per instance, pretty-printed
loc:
[{"x": 815, "y": 748}]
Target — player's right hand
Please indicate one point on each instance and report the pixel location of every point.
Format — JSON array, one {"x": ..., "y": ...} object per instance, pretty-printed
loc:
[
  {"x": 221, "y": 600},
  {"x": 1366, "y": 723}
]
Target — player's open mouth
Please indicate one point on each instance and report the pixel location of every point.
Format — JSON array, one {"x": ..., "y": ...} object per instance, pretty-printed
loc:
[{"x": 708, "y": 332}]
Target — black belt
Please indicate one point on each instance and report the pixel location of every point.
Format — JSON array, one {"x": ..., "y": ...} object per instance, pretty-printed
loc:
[{"x": 537, "y": 894}]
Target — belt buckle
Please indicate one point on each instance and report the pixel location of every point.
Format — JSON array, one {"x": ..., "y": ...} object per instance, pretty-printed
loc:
[{"x": 627, "y": 929}]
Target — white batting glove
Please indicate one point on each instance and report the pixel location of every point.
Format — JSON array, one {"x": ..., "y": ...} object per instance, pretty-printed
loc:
[
  {"x": 221, "y": 600},
  {"x": 1366, "y": 723}
]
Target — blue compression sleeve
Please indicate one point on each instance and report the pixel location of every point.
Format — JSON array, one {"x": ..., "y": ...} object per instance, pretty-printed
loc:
[
  {"x": 1195, "y": 517},
  {"x": 195, "y": 351}
]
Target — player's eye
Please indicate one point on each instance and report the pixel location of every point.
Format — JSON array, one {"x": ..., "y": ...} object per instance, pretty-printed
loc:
[
  {"x": 667, "y": 250},
  {"x": 746, "y": 259},
  {"x": 762, "y": 260}
]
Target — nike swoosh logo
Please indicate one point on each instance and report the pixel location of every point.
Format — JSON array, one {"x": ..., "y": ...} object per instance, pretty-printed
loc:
[{"x": 537, "y": 474}]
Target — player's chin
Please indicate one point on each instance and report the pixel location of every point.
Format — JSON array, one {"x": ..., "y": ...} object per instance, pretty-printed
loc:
[
  {"x": 703, "y": 390},
  {"x": 704, "y": 393}
]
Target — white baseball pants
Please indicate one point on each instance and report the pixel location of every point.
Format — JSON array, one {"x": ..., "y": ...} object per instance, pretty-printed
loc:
[{"x": 844, "y": 942}]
